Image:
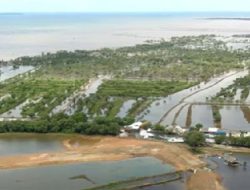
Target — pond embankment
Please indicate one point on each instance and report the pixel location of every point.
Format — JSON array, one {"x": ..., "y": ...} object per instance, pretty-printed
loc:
[{"x": 89, "y": 149}]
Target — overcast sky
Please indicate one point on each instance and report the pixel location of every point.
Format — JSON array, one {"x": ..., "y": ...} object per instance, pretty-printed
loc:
[{"x": 122, "y": 5}]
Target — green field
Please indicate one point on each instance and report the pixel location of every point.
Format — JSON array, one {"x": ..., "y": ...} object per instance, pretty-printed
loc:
[
  {"x": 113, "y": 93},
  {"x": 49, "y": 93}
]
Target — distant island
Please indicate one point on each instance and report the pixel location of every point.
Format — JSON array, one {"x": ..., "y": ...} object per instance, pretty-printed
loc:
[
  {"x": 2, "y": 14},
  {"x": 226, "y": 18}
]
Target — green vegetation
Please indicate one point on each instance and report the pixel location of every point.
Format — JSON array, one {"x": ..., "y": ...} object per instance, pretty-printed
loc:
[
  {"x": 142, "y": 73},
  {"x": 195, "y": 139},
  {"x": 121, "y": 90},
  {"x": 139, "y": 106},
  {"x": 189, "y": 116},
  {"x": 239, "y": 141},
  {"x": 159, "y": 128},
  {"x": 183, "y": 58},
  {"x": 61, "y": 123},
  {"x": 113, "y": 93},
  {"x": 216, "y": 116},
  {"x": 136, "y": 89},
  {"x": 46, "y": 94},
  {"x": 234, "y": 141},
  {"x": 228, "y": 94},
  {"x": 220, "y": 139}
]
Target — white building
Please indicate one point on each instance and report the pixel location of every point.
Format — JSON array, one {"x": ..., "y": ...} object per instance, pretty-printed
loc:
[
  {"x": 176, "y": 140},
  {"x": 134, "y": 126},
  {"x": 179, "y": 130},
  {"x": 123, "y": 133},
  {"x": 208, "y": 140},
  {"x": 145, "y": 134},
  {"x": 213, "y": 130}
]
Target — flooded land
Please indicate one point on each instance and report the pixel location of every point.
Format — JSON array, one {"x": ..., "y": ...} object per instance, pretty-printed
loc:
[
  {"x": 106, "y": 116},
  {"x": 234, "y": 177},
  {"x": 93, "y": 31},
  {"x": 174, "y": 109},
  {"x": 7, "y": 72}
]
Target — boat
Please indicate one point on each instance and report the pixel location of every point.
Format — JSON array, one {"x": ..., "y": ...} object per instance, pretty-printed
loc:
[{"x": 231, "y": 160}]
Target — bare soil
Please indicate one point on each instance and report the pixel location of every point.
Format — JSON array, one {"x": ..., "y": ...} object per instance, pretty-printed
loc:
[
  {"x": 90, "y": 149},
  {"x": 204, "y": 180}
]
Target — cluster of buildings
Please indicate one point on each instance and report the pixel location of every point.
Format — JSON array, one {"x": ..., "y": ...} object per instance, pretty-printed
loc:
[
  {"x": 136, "y": 129},
  {"x": 139, "y": 131}
]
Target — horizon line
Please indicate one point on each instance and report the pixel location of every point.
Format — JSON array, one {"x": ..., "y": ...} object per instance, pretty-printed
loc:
[{"x": 120, "y": 12}]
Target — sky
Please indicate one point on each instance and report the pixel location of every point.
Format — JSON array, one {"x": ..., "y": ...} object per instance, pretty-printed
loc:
[{"x": 123, "y": 5}]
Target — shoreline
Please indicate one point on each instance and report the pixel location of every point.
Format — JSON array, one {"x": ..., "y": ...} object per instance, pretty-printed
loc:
[
  {"x": 86, "y": 149},
  {"x": 83, "y": 149},
  {"x": 91, "y": 146}
]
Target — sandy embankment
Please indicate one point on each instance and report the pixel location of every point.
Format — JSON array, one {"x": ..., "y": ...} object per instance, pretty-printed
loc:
[
  {"x": 204, "y": 180},
  {"x": 82, "y": 149},
  {"x": 90, "y": 149}
]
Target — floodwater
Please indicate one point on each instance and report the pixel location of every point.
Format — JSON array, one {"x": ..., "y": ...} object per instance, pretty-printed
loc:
[
  {"x": 237, "y": 96},
  {"x": 208, "y": 93},
  {"x": 68, "y": 105},
  {"x": 32, "y": 34},
  {"x": 15, "y": 112},
  {"x": 15, "y": 144},
  {"x": 235, "y": 177},
  {"x": 80, "y": 176},
  {"x": 203, "y": 115},
  {"x": 125, "y": 108},
  {"x": 233, "y": 119},
  {"x": 159, "y": 107},
  {"x": 7, "y": 72},
  {"x": 181, "y": 120},
  {"x": 173, "y": 103}
]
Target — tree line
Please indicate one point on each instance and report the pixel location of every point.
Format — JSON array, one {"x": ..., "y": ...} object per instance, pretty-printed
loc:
[{"x": 61, "y": 123}]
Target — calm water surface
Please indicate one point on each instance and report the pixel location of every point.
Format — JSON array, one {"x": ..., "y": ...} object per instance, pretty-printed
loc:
[
  {"x": 65, "y": 177},
  {"x": 15, "y": 144},
  {"x": 159, "y": 107},
  {"x": 235, "y": 178},
  {"x": 7, "y": 72},
  {"x": 30, "y": 34},
  {"x": 233, "y": 118}
]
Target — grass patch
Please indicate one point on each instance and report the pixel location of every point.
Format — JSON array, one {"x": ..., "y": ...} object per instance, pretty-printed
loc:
[{"x": 126, "y": 88}]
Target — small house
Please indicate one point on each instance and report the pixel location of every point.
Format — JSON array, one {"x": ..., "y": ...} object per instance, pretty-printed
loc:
[
  {"x": 135, "y": 126},
  {"x": 145, "y": 134},
  {"x": 176, "y": 140}
]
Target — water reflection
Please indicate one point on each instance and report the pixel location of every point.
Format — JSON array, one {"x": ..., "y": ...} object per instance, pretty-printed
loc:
[
  {"x": 7, "y": 72},
  {"x": 235, "y": 177},
  {"x": 15, "y": 144},
  {"x": 233, "y": 118},
  {"x": 99, "y": 173},
  {"x": 125, "y": 108}
]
